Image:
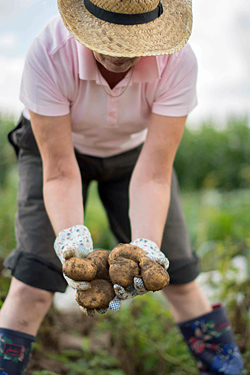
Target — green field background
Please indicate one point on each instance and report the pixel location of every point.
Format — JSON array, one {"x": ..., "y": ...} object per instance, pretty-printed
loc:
[{"x": 213, "y": 168}]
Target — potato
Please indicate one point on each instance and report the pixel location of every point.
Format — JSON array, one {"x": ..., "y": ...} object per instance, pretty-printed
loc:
[
  {"x": 100, "y": 259},
  {"x": 122, "y": 271},
  {"x": 154, "y": 276},
  {"x": 79, "y": 269},
  {"x": 127, "y": 251},
  {"x": 98, "y": 296},
  {"x": 124, "y": 260}
]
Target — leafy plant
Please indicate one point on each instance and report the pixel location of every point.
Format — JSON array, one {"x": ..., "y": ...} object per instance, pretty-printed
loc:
[
  {"x": 145, "y": 338},
  {"x": 96, "y": 220},
  {"x": 215, "y": 158},
  {"x": 7, "y": 157},
  {"x": 8, "y": 209},
  {"x": 232, "y": 287},
  {"x": 214, "y": 215},
  {"x": 4, "y": 287}
]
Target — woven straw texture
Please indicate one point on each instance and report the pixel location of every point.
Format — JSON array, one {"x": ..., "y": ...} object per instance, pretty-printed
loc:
[{"x": 165, "y": 35}]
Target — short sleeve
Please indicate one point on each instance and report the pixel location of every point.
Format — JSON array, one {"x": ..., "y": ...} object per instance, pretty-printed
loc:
[
  {"x": 176, "y": 92},
  {"x": 40, "y": 86}
]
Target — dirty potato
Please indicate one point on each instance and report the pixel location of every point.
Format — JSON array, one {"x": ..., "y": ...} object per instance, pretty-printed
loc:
[
  {"x": 122, "y": 271},
  {"x": 128, "y": 261},
  {"x": 79, "y": 269},
  {"x": 100, "y": 259},
  {"x": 98, "y": 296},
  {"x": 127, "y": 251},
  {"x": 154, "y": 276}
]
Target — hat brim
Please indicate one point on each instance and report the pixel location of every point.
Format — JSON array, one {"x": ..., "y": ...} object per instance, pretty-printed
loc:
[{"x": 165, "y": 35}]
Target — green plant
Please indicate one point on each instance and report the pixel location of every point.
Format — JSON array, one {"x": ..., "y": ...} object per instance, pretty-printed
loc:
[
  {"x": 8, "y": 207},
  {"x": 215, "y": 158},
  {"x": 213, "y": 215},
  {"x": 7, "y": 157},
  {"x": 233, "y": 289},
  {"x": 145, "y": 338},
  {"x": 4, "y": 287},
  {"x": 96, "y": 220},
  {"x": 77, "y": 362}
]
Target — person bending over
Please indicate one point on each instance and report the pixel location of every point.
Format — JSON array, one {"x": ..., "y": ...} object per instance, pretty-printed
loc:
[{"x": 107, "y": 87}]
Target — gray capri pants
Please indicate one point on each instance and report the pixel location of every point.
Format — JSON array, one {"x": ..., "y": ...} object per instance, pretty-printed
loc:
[{"x": 34, "y": 261}]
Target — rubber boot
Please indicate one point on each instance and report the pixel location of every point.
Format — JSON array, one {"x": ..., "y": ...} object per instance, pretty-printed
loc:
[{"x": 211, "y": 341}]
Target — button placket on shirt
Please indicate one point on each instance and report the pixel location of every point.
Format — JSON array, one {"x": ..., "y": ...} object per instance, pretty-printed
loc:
[
  {"x": 112, "y": 112},
  {"x": 112, "y": 104}
]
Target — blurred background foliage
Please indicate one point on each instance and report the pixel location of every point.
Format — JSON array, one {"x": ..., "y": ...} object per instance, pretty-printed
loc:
[
  {"x": 214, "y": 158},
  {"x": 208, "y": 157},
  {"x": 213, "y": 167}
]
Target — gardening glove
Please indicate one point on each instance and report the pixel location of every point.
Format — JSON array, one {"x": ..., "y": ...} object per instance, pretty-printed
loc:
[
  {"x": 74, "y": 242},
  {"x": 153, "y": 252}
]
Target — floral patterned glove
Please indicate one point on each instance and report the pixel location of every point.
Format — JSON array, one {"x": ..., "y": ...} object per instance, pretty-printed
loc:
[
  {"x": 74, "y": 242},
  {"x": 138, "y": 288}
]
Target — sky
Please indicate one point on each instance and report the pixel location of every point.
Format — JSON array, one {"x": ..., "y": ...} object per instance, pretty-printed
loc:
[{"x": 220, "y": 40}]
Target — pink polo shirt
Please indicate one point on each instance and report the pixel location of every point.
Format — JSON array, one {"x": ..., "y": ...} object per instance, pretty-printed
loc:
[{"x": 60, "y": 77}]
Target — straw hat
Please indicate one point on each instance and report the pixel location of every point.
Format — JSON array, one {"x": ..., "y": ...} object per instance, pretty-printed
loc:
[{"x": 129, "y": 28}]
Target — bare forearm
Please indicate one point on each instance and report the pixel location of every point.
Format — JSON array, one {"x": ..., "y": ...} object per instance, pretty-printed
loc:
[
  {"x": 149, "y": 202},
  {"x": 63, "y": 201},
  {"x": 151, "y": 179}
]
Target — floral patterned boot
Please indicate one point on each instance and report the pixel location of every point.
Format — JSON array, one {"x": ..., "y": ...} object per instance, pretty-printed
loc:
[
  {"x": 15, "y": 351},
  {"x": 211, "y": 341}
]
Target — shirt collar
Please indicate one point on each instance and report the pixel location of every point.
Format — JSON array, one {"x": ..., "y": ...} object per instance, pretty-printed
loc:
[
  {"x": 146, "y": 70},
  {"x": 87, "y": 66}
]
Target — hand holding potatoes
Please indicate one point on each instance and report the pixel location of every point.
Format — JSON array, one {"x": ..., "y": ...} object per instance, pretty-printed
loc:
[
  {"x": 94, "y": 269},
  {"x": 82, "y": 265},
  {"x": 125, "y": 272},
  {"x": 149, "y": 271}
]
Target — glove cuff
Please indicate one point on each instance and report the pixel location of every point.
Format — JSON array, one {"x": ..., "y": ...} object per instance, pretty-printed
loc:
[
  {"x": 152, "y": 251},
  {"x": 145, "y": 244},
  {"x": 77, "y": 237}
]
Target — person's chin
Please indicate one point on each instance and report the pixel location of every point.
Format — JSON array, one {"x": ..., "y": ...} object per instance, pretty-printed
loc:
[{"x": 117, "y": 68}]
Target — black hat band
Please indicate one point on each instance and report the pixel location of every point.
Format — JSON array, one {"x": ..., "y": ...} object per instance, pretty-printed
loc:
[{"x": 123, "y": 18}]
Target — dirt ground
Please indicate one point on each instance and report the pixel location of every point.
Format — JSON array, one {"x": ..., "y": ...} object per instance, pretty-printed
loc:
[{"x": 59, "y": 332}]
